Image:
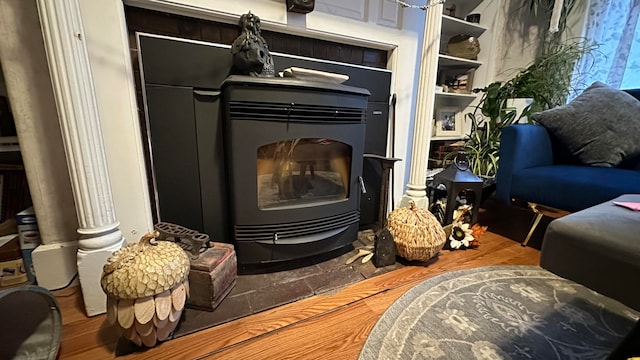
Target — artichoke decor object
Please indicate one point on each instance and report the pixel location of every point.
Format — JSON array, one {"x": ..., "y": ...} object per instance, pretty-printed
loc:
[
  {"x": 147, "y": 287},
  {"x": 416, "y": 232}
]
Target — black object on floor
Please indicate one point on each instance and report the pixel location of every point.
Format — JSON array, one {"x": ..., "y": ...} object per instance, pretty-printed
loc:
[{"x": 384, "y": 249}]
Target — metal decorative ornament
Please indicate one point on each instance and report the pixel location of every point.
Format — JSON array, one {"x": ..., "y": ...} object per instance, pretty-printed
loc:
[{"x": 250, "y": 51}]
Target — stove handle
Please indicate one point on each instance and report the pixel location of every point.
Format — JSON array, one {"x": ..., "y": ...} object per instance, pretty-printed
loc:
[
  {"x": 363, "y": 189},
  {"x": 207, "y": 93}
]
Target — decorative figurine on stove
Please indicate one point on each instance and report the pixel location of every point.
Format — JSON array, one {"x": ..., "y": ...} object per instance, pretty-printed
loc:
[{"x": 250, "y": 51}]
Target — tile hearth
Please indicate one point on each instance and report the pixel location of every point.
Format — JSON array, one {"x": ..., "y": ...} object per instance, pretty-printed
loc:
[
  {"x": 258, "y": 291},
  {"x": 261, "y": 289}
]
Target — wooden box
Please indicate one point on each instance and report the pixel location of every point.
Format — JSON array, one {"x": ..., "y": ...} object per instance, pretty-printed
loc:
[{"x": 212, "y": 276}]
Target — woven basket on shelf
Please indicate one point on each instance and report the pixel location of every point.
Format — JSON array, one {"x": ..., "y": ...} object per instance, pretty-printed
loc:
[{"x": 416, "y": 232}]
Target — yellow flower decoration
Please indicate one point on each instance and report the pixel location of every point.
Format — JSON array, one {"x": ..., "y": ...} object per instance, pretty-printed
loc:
[{"x": 460, "y": 235}]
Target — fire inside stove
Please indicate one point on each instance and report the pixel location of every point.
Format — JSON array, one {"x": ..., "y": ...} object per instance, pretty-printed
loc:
[{"x": 302, "y": 171}]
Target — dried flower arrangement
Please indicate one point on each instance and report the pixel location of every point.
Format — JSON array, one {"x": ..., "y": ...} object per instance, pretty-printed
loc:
[{"x": 460, "y": 234}]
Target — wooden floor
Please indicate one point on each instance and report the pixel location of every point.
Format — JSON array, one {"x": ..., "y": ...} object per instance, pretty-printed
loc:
[{"x": 321, "y": 327}]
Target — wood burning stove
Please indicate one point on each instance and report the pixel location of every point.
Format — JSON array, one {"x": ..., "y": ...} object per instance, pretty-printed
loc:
[
  {"x": 294, "y": 153},
  {"x": 188, "y": 147}
]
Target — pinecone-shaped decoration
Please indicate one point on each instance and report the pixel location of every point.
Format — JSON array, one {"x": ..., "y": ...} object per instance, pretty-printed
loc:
[
  {"x": 416, "y": 232},
  {"x": 147, "y": 286}
]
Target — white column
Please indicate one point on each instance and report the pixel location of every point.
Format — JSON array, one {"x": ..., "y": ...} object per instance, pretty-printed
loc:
[
  {"x": 80, "y": 124},
  {"x": 28, "y": 83},
  {"x": 416, "y": 188}
]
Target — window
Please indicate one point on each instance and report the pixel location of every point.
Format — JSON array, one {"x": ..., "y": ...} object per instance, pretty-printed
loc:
[{"x": 613, "y": 25}]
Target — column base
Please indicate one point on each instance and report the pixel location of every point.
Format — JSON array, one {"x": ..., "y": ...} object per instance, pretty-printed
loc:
[
  {"x": 90, "y": 263},
  {"x": 55, "y": 264},
  {"x": 420, "y": 201}
]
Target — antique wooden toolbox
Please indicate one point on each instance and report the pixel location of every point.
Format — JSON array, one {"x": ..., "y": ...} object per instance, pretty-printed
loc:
[
  {"x": 214, "y": 266},
  {"x": 213, "y": 274}
]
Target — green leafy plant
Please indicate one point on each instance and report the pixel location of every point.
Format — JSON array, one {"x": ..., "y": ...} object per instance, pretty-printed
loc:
[
  {"x": 547, "y": 81},
  {"x": 483, "y": 145},
  {"x": 536, "y": 6},
  {"x": 554, "y": 67}
]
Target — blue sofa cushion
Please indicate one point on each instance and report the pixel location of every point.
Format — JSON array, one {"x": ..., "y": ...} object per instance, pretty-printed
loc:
[
  {"x": 573, "y": 187},
  {"x": 601, "y": 126}
]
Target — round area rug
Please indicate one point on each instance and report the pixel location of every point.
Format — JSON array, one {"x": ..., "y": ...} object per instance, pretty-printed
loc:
[{"x": 499, "y": 312}]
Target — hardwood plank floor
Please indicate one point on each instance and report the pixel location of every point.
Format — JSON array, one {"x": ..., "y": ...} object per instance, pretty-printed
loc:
[{"x": 333, "y": 326}]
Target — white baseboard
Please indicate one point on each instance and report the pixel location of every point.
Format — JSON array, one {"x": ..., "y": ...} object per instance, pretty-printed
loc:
[{"x": 55, "y": 265}]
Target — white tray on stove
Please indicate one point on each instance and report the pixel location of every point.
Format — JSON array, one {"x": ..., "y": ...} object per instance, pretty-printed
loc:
[{"x": 314, "y": 75}]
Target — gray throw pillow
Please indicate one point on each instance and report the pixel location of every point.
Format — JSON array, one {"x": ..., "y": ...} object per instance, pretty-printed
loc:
[{"x": 601, "y": 126}]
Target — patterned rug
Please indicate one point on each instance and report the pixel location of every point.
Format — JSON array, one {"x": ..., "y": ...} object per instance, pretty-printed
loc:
[{"x": 499, "y": 312}]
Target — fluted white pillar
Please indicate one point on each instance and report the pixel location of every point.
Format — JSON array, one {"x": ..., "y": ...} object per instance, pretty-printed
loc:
[
  {"x": 416, "y": 188},
  {"x": 99, "y": 235}
]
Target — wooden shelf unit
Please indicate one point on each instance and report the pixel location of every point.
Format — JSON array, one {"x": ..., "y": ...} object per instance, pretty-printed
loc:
[{"x": 455, "y": 96}]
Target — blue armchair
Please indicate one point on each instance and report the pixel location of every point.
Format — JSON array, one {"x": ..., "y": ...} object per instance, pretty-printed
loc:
[{"x": 535, "y": 168}]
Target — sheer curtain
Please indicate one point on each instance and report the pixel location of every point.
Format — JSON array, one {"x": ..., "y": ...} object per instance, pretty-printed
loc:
[{"x": 613, "y": 25}]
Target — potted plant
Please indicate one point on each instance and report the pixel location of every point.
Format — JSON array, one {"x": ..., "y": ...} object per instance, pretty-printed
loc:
[
  {"x": 482, "y": 146},
  {"x": 547, "y": 81}
]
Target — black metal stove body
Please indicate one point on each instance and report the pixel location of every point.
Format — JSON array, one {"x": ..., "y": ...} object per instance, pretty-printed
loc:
[{"x": 294, "y": 154}]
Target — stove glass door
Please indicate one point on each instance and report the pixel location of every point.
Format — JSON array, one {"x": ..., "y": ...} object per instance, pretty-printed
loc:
[{"x": 302, "y": 172}]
